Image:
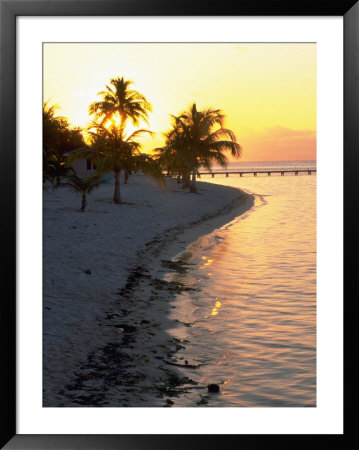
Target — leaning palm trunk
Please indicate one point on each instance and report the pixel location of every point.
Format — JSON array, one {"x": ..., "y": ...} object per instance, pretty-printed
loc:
[
  {"x": 193, "y": 185},
  {"x": 116, "y": 195}
]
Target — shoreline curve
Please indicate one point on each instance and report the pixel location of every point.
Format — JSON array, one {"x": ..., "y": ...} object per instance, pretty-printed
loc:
[{"x": 130, "y": 346}]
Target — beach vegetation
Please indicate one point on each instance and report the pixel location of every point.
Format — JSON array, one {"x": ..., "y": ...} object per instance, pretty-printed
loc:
[
  {"x": 82, "y": 185},
  {"x": 194, "y": 142},
  {"x": 173, "y": 156},
  {"x": 54, "y": 169},
  {"x": 58, "y": 137},
  {"x": 121, "y": 103},
  {"x": 112, "y": 150},
  {"x": 112, "y": 136}
]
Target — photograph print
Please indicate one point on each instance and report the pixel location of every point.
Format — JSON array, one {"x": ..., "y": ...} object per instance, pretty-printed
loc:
[{"x": 179, "y": 225}]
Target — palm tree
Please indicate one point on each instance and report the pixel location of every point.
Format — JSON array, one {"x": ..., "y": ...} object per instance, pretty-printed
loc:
[
  {"x": 83, "y": 185},
  {"x": 199, "y": 143},
  {"x": 58, "y": 137},
  {"x": 173, "y": 156},
  {"x": 54, "y": 169},
  {"x": 120, "y": 102},
  {"x": 119, "y": 98},
  {"x": 112, "y": 149}
]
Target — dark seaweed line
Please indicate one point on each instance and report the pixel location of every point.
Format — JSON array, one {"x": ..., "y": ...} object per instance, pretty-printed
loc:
[{"x": 109, "y": 365}]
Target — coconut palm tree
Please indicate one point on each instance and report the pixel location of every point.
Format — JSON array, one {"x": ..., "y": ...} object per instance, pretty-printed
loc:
[
  {"x": 120, "y": 104},
  {"x": 111, "y": 149},
  {"x": 200, "y": 143},
  {"x": 83, "y": 185},
  {"x": 173, "y": 156},
  {"x": 121, "y": 99}
]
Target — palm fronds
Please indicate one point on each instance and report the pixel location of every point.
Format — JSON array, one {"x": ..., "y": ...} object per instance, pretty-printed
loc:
[
  {"x": 82, "y": 185},
  {"x": 119, "y": 98},
  {"x": 192, "y": 142}
]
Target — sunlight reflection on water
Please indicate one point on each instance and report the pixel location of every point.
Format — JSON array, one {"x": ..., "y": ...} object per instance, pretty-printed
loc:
[{"x": 254, "y": 314}]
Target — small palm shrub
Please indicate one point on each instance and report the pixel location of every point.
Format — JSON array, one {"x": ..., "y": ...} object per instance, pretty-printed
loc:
[{"x": 83, "y": 185}]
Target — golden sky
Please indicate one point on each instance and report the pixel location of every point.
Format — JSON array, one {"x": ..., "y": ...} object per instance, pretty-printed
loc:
[{"x": 266, "y": 91}]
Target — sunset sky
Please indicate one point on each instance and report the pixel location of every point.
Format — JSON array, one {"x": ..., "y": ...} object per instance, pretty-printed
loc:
[{"x": 266, "y": 91}]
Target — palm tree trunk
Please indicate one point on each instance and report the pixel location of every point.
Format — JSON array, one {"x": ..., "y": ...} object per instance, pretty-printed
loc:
[
  {"x": 116, "y": 195},
  {"x": 193, "y": 186},
  {"x": 84, "y": 202},
  {"x": 186, "y": 180},
  {"x": 127, "y": 174}
]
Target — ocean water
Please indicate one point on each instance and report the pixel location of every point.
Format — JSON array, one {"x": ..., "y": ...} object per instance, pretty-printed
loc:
[{"x": 250, "y": 323}]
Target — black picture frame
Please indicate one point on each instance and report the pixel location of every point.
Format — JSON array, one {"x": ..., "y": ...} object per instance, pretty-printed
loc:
[{"x": 9, "y": 10}]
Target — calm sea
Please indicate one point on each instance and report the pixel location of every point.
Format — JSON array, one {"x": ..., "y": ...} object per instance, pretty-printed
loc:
[{"x": 251, "y": 323}]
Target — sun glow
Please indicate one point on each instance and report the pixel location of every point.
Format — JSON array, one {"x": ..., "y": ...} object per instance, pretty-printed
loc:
[
  {"x": 116, "y": 121},
  {"x": 262, "y": 75}
]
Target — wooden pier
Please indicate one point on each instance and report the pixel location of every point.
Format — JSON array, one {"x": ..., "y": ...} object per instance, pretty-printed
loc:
[{"x": 256, "y": 172}]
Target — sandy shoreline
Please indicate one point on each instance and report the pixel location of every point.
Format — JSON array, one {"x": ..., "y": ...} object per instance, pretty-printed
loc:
[{"x": 105, "y": 342}]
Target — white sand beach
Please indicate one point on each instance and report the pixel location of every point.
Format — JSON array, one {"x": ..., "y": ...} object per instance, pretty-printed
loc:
[{"x": 104, "y": 327}]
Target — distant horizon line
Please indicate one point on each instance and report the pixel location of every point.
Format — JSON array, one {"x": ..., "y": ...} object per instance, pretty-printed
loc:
[{"x": 272, "y": 160}]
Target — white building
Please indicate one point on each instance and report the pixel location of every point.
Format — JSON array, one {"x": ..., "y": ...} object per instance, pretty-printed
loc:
[{"x": 85, "y": 167}]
